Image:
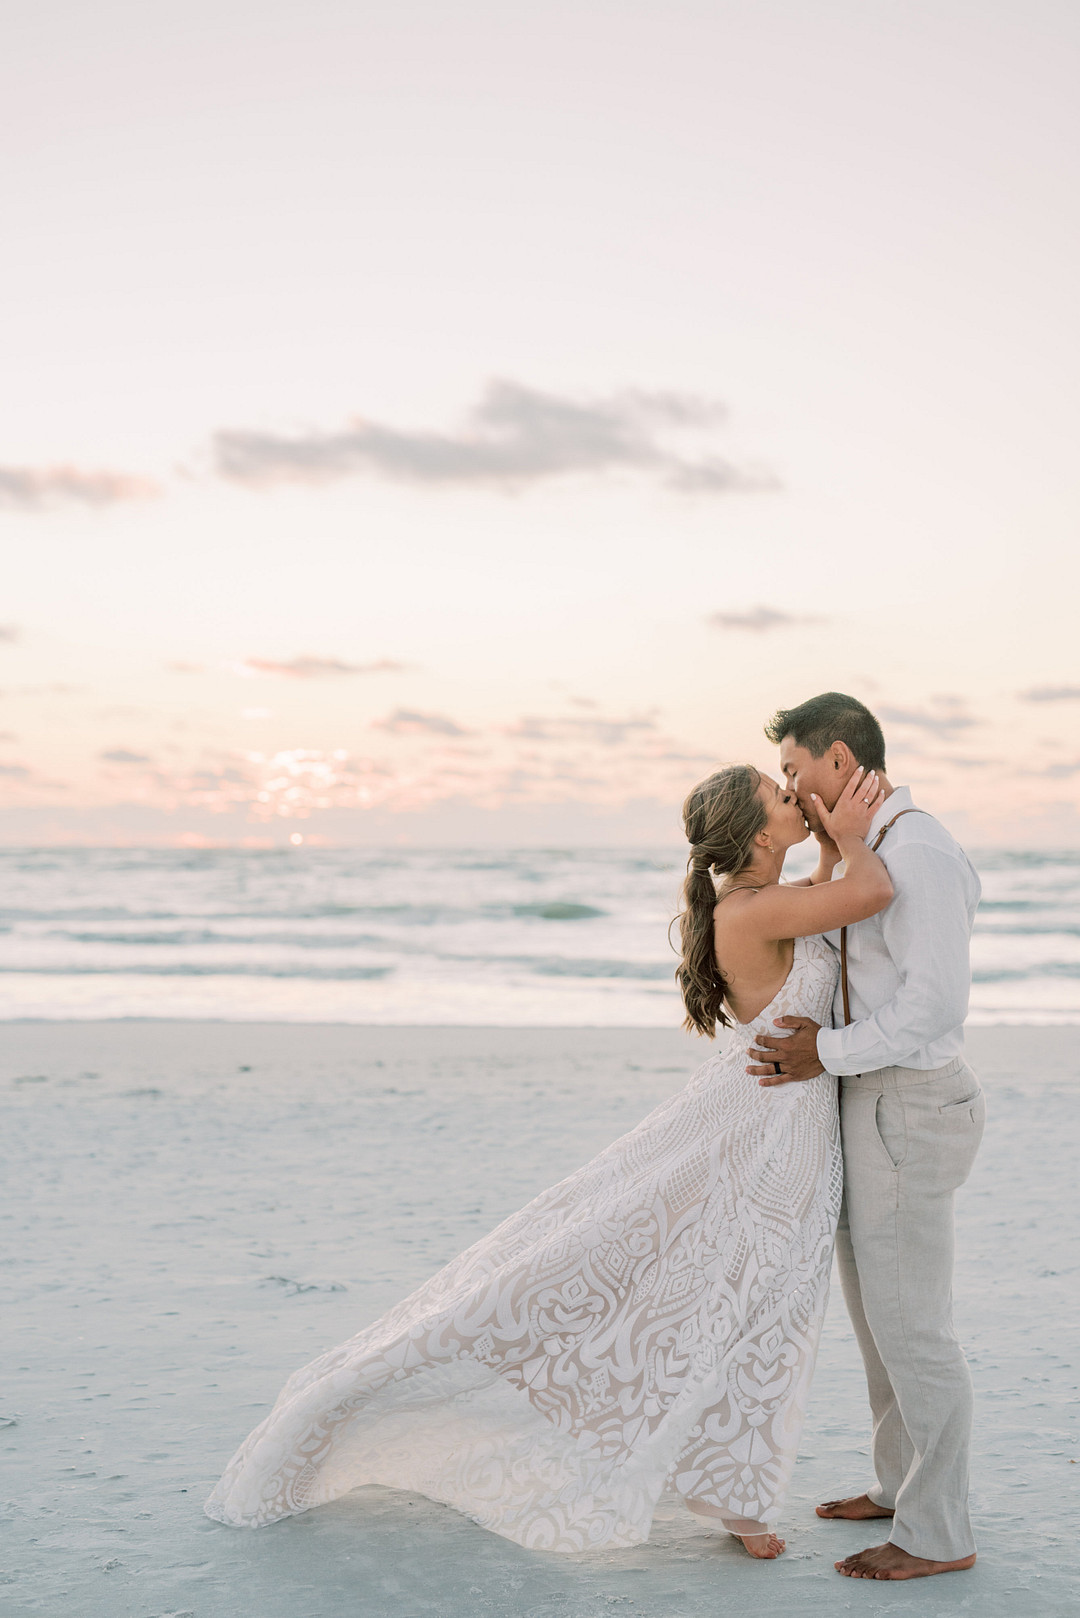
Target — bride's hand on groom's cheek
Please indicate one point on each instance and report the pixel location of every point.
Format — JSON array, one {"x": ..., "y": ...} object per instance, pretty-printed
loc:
[
  {"x": 795, "y": 1053},
  {"x": 853, "y": 812}
]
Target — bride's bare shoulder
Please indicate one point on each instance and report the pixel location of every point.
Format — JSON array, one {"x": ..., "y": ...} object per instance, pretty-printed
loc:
[{"x": 732, "y": 907}]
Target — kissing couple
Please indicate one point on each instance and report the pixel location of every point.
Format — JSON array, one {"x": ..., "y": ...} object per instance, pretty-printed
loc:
[{"x": 652, "y": 1321}]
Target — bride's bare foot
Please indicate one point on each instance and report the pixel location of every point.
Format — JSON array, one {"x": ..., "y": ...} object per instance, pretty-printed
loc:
[
  {"x": 890, "y": 1562},
  {"x": 766, "y": 1547},
  {"x": 857, "y": 1508}
]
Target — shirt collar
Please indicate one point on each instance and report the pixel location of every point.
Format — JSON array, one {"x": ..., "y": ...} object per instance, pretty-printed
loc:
[{"x": 899, "y": 798}]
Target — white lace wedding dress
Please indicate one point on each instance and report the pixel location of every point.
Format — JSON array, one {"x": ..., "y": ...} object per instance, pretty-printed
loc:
[{"x": 650, "y": 1321}]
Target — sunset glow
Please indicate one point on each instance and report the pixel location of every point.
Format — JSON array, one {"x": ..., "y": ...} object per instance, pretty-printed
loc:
[{"x": 438, "y": 429}]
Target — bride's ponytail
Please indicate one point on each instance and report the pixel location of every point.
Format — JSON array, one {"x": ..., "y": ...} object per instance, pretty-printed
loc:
[{"x": 721, "y": 816}]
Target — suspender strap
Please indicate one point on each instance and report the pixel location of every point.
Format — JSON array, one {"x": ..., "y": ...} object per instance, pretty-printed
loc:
[
  {"x": 875, "y": 845},
  {"x": 889, "y": 824}
]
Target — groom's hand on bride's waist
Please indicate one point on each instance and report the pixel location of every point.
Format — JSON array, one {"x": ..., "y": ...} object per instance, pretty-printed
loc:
[{"x": 785, "y": 1057}]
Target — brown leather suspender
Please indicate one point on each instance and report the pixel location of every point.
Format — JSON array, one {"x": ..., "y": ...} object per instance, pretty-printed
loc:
[{"x": 843, "y": 931}]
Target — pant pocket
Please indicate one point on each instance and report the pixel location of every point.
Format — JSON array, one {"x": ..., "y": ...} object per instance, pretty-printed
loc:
[
  {"x": 968, "y": 1101},
  {"x": 959, "y": 1131},
  {"x": 891, "y": 1127}
]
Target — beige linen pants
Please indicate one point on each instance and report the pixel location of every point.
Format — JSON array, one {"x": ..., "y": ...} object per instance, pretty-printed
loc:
[{"x": 910, "y": 1139}]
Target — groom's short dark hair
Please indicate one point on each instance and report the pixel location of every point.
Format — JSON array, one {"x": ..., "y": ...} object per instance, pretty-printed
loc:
[{"x": 832, "y": 717}]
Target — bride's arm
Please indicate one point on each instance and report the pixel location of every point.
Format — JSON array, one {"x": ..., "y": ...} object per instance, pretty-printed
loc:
[
  {"x": 783, "y": 911},
  {"x": 828, "y": 859}
]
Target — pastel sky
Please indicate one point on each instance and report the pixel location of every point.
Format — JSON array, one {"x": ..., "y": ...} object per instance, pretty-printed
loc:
[{"x": 441, "y": 423}]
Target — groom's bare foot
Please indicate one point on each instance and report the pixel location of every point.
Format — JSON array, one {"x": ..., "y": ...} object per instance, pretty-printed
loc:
[
  {"x": 766, "y": 1547},
  {"x": 857, "y": 1508},
  {"x": 890, "y": 1562}
]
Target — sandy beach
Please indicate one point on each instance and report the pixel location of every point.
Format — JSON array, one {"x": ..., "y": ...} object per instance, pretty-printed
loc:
[{"x": 192, "y": 1210}]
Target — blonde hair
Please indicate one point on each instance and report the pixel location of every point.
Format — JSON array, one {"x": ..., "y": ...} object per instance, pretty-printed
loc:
[{"x": 721, "y": 816}]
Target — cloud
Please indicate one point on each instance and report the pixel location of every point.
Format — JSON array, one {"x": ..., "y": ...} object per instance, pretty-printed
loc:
[
  {"x": 318, "y": 668},
  {"x": 1051, "y": 693},
  {"x": 185, "y": 668},
  {"x": 10, "y": 633},
  {"x": 513, "y": 437},
  {"x": 17, "y": 772},
  {"x": 949, "y": 717},
  {"x": 405, "y": 721},
  {"x": 121, "y": 755},
  {"x": 684, "y": 755},
  {"x": 1060, "y": 772},
  {"x": 603, "y": 732},
  {"x": 759, "y": 620},
  {"x": 24, "y": 488}
]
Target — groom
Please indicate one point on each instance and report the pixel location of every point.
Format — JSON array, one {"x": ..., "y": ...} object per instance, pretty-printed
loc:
[{"x": 911, "y": 1114}]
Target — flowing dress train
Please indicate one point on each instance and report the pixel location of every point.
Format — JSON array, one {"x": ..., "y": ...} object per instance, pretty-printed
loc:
[{"x": 650, "y": 1321}]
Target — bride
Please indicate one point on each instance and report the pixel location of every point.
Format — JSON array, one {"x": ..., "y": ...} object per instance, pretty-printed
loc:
[{"x": 652, "y": 1320}]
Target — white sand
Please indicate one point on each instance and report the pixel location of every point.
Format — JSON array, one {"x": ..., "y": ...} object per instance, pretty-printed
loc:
[{"x": 193, "y": 1210}]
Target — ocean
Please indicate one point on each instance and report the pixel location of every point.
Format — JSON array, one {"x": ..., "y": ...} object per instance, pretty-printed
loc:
[{"x": 533, "y": 937}]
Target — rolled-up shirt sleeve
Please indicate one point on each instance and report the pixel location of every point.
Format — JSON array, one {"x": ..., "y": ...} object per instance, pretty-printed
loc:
[{"x": 926, "y": 932}]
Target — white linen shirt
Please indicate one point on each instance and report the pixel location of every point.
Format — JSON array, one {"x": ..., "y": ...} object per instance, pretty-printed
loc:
[{"x": 909, "y": 967}]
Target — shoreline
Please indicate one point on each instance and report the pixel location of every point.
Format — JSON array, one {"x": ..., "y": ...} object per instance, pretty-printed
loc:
[
  {"x": 1020, "y": 1050},
  {"x": 657, "y": 1030}
]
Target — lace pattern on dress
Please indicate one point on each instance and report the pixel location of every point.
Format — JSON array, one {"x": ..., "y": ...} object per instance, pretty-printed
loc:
[{"x": 651, "y": 1320}]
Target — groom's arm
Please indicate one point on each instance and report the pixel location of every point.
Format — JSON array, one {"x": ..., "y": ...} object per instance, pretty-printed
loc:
[{"x": 926, "y": 932}]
